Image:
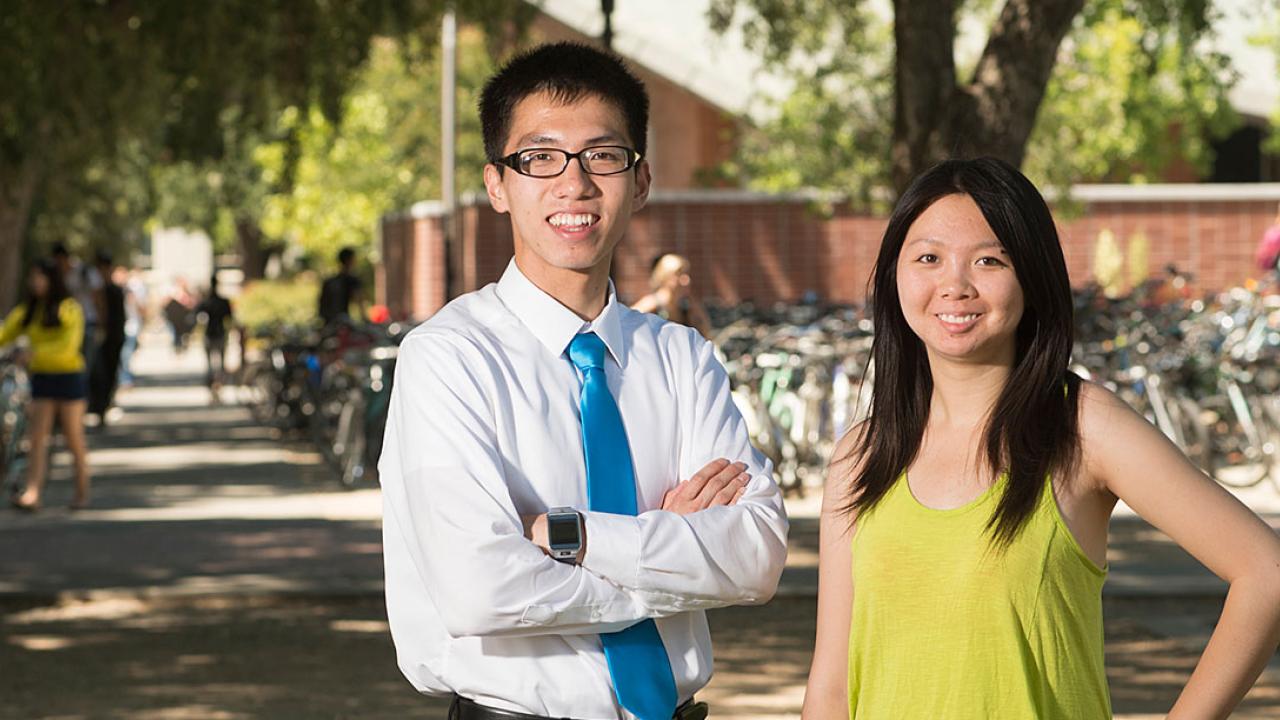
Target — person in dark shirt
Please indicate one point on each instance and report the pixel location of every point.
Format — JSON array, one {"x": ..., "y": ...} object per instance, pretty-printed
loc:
[
  {"x": 216, "y": 313},
  {"x": 339, "y": 291},
  {"x": 105, "y": 368}
]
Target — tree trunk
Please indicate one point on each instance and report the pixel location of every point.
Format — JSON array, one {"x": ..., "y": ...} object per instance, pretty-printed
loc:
[
  {"x": 253, "y": 256},
  {"x": 934, "y": 118},
  {"x": 995, "y": 113},
  {"x": 17, "y": 190},
  {"x": 924, "y": 79}
]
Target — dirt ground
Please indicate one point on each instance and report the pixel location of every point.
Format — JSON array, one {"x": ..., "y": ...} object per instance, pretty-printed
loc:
[{"x": 313, "y": 657}]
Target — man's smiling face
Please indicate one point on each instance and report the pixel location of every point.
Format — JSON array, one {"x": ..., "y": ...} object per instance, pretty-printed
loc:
[{"x": 572, "y": 222}]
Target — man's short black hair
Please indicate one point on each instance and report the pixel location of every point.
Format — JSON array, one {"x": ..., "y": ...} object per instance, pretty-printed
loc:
[
  {"x": 59, "y": 249},
  {"x": 566, "y": 71},
  {"x": 346, "y": 255}
]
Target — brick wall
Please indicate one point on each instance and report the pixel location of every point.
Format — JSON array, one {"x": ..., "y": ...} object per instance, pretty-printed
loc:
[
  {"x": 412, "y": 271},
  {"x": 1209, "y": 230},
  {"x": 747, "y": 246}
]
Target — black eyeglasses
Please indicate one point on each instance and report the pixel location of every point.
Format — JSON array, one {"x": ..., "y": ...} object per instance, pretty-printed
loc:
[{"x": 550, "y": 162}]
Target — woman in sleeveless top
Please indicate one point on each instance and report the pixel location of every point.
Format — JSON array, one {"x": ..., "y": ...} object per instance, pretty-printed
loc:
[
  {"x": 964, "y": 523},
  {"x": 670, "y": 295}
]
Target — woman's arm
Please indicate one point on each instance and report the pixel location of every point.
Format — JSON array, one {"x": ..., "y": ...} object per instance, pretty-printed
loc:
[
  {"x": 1143, "y": 468},
  {"x": 646, "y": 304},
  {"x": 698, "y": 318},
  {"x": 12, "y": 326},
  {"x": 827, "y": 694}
]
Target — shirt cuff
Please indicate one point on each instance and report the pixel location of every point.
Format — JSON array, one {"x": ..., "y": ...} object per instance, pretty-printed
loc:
[{"x": 613, "y": 547}]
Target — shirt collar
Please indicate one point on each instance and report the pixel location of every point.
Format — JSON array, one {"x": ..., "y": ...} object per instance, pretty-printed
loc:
[{"x": 554, "y": 324}]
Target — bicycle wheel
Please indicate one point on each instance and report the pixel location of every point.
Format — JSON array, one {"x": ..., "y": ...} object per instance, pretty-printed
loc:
[
  {"x": 319, "y": 429},
  {"x": 13, "y": 461},
  {"x": 353, "y": 461},
  {"x": 1270, "y": 418},
  {"x": 1192, "y": 437},
  {"x": 375, "y": 428},
  {"x": 259, "y": 391},
  {"x": 1240, "y": 456}
]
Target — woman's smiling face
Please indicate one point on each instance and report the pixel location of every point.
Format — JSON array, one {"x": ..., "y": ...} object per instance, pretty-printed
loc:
[
  {"x": 37, "y": 283},
  {"x": 957, "y": 286}
]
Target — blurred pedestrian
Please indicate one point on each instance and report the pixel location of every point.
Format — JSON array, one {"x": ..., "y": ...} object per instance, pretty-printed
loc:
[
  {"x": 964, "y": 524},
  {"x": 105, "y": 369},
  {"x": 670, "y": 295},
  {"x": 341, "y": 290},
  {"x": 1267, "y": 255},
  {"x": 179, "y": 312},
  {"x": 216, "y": 314},
  {"x": 85, "y": 285},
  {"x": 135, "y": 309},
  {"x": 53, "y": 322}
]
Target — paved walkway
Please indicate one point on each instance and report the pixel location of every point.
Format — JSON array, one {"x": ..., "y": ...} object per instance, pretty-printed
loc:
[
  {"x": 198, "y": 513},
  {"x": 194, "y": 498}
]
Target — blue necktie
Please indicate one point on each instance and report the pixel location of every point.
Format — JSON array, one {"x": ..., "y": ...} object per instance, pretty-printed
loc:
[{"x": 638, "y": 663}]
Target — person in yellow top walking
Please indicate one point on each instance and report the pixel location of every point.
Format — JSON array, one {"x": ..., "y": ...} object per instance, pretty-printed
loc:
[
  {"x": 54, "y": 323},
  {"x": 964, "y": 523}
]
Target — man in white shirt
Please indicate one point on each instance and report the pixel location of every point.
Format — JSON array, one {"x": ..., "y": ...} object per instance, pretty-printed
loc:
[{"x": 543, "y": 393}]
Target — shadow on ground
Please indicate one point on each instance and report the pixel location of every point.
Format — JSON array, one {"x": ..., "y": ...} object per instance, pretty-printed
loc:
[
  {"x": 305, "y": 555},
  {"x": 318, "y": 656}
]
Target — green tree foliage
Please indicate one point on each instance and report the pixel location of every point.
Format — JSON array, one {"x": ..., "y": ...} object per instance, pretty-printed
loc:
[
  {"x": 385, "y": 155},
  {"x": 189, "y": 195},
  {"x": 68, "y": 104},
  {"x": 225, "y": 195},
  {"x": 268, "y": 303},
  {"x": 1126, "y": 73},
  {"x": 832, "y": 131},
  {"x": 202, "y": 83},
  {"x": 1130, "y": 94},
  {"x": 1269, "y": 36},
  {"x": 102, "y": 207}
]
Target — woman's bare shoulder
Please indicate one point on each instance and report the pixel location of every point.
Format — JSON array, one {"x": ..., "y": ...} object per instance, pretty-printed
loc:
[{"x": 1110, "y": 430}]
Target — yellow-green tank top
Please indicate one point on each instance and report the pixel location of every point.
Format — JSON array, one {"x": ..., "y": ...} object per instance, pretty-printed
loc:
[{"x": 947, "y": 626}]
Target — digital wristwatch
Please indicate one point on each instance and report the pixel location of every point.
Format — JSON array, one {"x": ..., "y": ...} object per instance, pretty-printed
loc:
[{"x": 564, "y": 533}]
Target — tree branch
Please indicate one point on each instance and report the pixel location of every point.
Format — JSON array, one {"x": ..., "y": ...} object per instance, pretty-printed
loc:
[{"x": 995, "y": 113}]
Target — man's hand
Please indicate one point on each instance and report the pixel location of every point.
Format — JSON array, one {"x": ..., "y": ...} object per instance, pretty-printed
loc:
[{"x": 719, "y": 483}]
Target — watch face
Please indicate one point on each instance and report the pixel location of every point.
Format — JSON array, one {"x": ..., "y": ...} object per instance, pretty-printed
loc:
[{"x": 562, "y": 530}]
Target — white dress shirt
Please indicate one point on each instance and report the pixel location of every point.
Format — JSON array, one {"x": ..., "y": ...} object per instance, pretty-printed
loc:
[{"x": 484, "y": 428}]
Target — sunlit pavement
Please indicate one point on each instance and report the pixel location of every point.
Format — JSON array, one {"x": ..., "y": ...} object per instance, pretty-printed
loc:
[
  {"x": 221, "y": 572},
  {"x": 190, "y": 497}
]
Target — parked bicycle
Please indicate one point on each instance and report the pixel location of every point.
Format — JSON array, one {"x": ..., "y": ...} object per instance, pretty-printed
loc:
[
  {"x": 1205, "y": 371},
  {"x": 330, "y": 387},
  {"x": 15, "y": 393},
  {"x": 796, "y": 371}
]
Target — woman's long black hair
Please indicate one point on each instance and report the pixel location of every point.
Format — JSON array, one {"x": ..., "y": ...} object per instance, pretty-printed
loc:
[
  {"x": 1032, "y": 431},
  {"x": 53, "y": 296}
]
